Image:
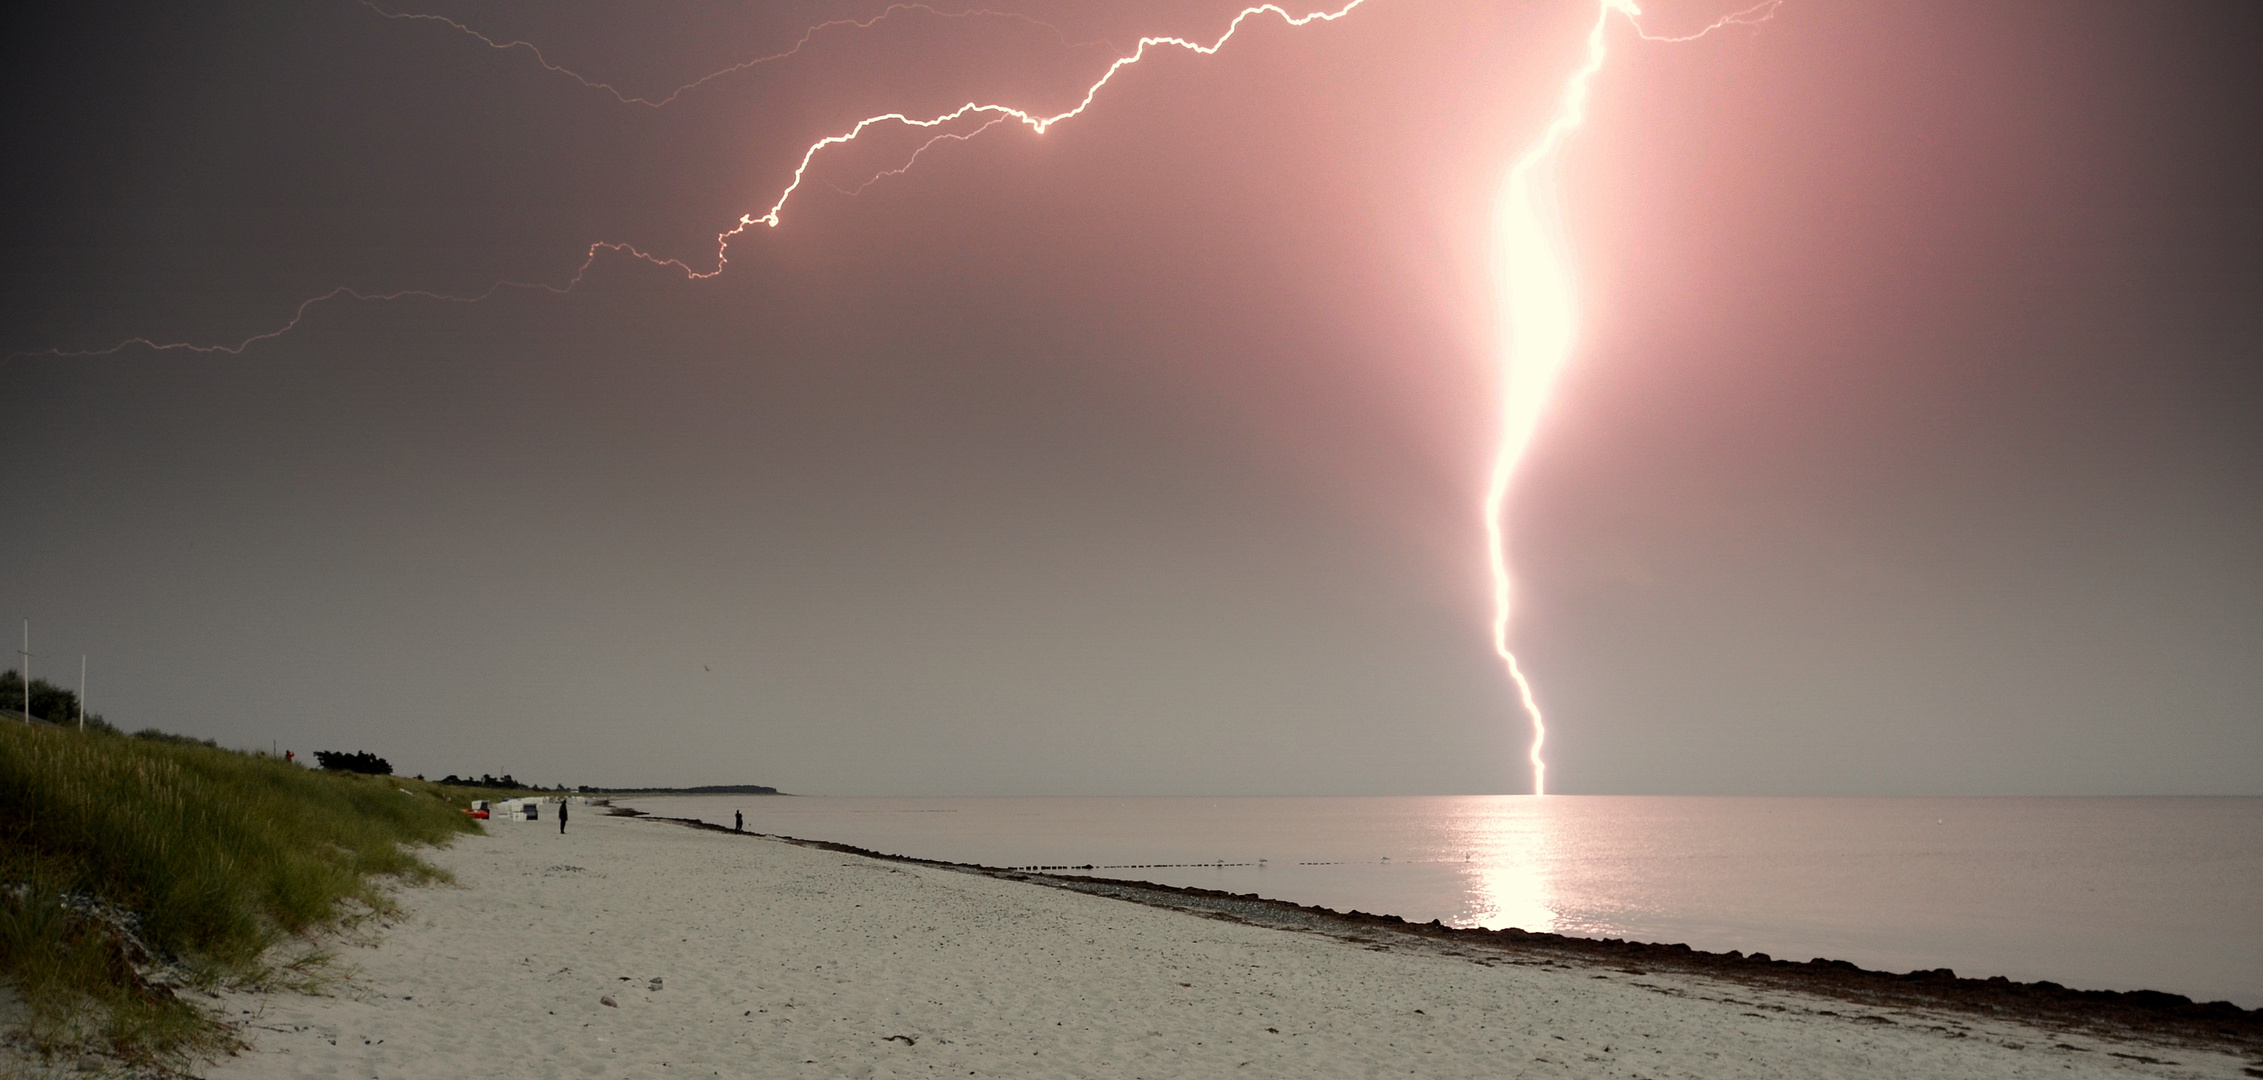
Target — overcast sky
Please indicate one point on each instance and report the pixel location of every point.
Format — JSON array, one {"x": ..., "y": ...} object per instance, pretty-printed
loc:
[{"x": 1914, "y": 443}]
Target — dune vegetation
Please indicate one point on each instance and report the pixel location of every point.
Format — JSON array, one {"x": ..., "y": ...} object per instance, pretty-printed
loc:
[{"x": 135, "y": 871}]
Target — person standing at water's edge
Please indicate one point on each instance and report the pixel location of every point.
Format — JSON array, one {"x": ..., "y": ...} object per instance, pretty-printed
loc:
[
  {"x": 738, "y": 821},
  {"x": 561, "y": 817}
]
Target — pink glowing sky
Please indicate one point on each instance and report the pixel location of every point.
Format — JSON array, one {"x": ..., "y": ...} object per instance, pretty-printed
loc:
[{"x": 1909, "y": 445}]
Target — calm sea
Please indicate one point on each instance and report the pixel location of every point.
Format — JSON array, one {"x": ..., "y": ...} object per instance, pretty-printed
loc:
[{"x": 2101, "y": 893}]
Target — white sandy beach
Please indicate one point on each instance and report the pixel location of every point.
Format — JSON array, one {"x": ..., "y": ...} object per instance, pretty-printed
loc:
[{"x": 743, "y": 957}]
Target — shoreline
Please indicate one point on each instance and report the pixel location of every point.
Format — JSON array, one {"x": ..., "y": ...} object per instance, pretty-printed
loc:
[
  {"x": 2142, "y": 1014},
  {"x": 633, "y": 949}
]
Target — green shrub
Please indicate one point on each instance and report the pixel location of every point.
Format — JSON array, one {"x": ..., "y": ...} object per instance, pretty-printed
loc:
[{"x": 361, "y": 761}]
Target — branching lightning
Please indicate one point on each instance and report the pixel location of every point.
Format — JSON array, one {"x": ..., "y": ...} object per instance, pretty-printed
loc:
[
  {"x": 1537, "y": 305},
  {"x": 993, "y": 114}
]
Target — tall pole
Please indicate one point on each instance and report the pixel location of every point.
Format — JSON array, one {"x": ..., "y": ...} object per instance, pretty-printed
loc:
[
  {"x": 25, "y": 652},
  {"x": 82, "y": 692}
]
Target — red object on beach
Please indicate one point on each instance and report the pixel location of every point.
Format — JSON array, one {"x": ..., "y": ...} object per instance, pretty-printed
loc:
[{"x": 477, "y": 813}]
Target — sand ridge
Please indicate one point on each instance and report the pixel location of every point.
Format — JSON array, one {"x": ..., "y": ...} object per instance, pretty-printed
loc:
[{"x": 738, "y": 956}]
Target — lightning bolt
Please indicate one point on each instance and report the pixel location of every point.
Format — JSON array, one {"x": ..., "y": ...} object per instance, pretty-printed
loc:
[
  {"x": 1537, "y": 305},
  {"x": 1534, "y": 293}
]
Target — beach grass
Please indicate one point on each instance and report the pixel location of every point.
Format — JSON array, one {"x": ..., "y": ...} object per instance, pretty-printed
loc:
[{"x": 133, "y": 867}]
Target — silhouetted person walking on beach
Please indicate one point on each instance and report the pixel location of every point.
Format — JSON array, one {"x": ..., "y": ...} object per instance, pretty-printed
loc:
[
  {"x": 561, "y": 817},
  {"x": 738, "y": 821}
]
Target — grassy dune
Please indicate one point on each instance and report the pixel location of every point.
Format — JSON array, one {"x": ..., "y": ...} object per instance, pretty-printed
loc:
[{"x": 120, "y": 857}]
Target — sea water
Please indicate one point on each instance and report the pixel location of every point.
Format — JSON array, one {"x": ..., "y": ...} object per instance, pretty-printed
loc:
[{"x": 2097, "y": 893}]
